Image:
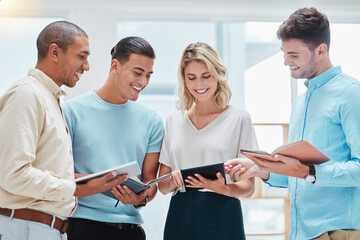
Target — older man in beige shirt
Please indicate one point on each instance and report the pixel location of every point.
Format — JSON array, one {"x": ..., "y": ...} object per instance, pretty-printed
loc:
[{"x": 37, "y": 188}]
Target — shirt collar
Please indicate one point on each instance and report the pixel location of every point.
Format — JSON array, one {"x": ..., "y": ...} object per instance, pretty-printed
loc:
[
  {"x": 47, "y": 82},
  {"x": 323, "y": 78}
]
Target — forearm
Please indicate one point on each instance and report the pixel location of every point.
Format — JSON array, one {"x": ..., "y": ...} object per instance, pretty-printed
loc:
[
  {"x": 167, "y": 186},
  {"x": 152, "y": 194},
  {"x": 35, "y": 183},
  {"x": 244, "y": 188}
]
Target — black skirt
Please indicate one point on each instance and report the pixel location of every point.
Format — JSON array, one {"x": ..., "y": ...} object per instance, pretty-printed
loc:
[{"x": 198, "y": 215}]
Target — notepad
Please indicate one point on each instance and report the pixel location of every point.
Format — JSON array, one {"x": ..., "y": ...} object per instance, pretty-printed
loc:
[
  {"x": 137, "y": 186},
  {"x": 131, "y": 168},
  {"x": 302, "y": 150}
]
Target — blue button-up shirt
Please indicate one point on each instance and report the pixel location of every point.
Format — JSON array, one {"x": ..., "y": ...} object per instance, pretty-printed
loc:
[{"x": 327, "y": 116}]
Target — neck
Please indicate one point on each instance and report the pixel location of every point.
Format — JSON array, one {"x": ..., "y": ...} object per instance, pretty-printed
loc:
[
  {"x": 108, "y": 92},
  {"x": 202, "y": 114},
  {"x": 49, "y": 70},
  {"x": 323, "y": 66},
  {"x": 207, "y": 107}
]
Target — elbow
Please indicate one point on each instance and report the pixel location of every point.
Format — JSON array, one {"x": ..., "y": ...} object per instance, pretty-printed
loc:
[{"x": 163, "y": 191}]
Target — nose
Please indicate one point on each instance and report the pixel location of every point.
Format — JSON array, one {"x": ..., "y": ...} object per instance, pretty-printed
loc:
[
  {"x": 86, "y": 65},
  {"x": 143, "y": 81},
  {"x": 286, "y": 60},
  {"x": 199, "y": 83}
]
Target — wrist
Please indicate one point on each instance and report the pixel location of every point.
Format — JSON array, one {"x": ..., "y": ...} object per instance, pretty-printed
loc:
[
  {"x": 146, "y": 200},
  {"x": 264, "y": 175},
  {"x": 78, "y": 190},
  {"x": 311, "y": 176},
  {"x": 305, "y": 172},
  {"x": 170, "y": 185}
]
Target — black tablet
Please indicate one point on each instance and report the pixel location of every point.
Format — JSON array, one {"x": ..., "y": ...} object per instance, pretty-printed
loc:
[{"x": 207, "y": 171}]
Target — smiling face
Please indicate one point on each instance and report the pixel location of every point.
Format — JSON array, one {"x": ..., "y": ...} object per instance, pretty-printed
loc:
[
  {"x": 301, "y": 60},
  {"x": 74, "y": 61},
  {"x": 199, "y": 81},
  {"x": 132, "y": 76}
]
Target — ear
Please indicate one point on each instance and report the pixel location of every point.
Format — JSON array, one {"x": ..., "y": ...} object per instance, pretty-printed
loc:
[
  {"x": 114, "y": 65},
  {"x": 321, "y": 50},
  {"x": 54, "y": 52}
]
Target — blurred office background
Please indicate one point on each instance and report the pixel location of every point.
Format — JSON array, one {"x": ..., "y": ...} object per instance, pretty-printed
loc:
[{"x": 243, "y": 32}]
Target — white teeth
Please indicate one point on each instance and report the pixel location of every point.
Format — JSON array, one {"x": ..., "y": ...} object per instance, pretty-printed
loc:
[
  {"x": 78, "y": 74},
  {"x": 293, "y": 68},
  {"x": 137, "y": 88},
  {"x": 201, "y": 91}
]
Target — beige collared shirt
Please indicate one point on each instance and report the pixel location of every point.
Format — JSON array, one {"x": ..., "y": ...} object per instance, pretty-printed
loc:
[{"x": 36, "y": 162}]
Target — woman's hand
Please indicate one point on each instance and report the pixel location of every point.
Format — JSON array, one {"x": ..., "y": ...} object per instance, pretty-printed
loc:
[
  {"x": 176, "y": 179},
  {"x": 169, "y": 185},
  {"x": 218, "y": 185}
]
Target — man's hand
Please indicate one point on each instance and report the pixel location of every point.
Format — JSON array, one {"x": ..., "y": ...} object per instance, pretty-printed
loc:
[
  {"x": 127, "y": 196},
  {"x": 287, "y": 166},
  {"x": 98, "y": 185},
  {"x": 243, "y": 168}
]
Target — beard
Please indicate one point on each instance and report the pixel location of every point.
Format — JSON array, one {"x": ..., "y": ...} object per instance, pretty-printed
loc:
[{"x": 310, "y": 70}]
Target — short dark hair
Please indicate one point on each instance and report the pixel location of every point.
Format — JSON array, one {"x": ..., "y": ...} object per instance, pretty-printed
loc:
[
  {"x": 307, "y": 24},
  {"x": 62, "y": 33},
  {"x": 131, "y": 45}
]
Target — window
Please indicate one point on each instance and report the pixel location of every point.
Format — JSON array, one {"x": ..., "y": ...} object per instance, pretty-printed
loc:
[{"x": 18, "y": 47}]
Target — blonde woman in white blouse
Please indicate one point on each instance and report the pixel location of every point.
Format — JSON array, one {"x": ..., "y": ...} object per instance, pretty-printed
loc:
[{"x": 205, "y": 130}]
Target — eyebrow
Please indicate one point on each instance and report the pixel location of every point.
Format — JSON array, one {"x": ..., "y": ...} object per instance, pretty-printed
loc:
[
  {"x": 138, "y": 68},
  {"x": 289, "y": 52},
  {"x": 86, "y": 52},
  {"x": 201, "y": 73}
]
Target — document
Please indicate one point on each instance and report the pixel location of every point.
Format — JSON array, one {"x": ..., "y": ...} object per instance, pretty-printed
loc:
[
  {"x": 207, "y": 171},
  {"x": 136, "y": 185},
  {"x": 302, "y": 150},
  {"x": 131, "y": 168}
]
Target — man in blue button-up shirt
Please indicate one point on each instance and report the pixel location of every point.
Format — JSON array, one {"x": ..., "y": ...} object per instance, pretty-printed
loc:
[{"x": 325, "y": 199}]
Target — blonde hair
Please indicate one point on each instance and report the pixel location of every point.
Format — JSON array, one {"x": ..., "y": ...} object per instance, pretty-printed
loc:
[{"x": 202, "y": 52}]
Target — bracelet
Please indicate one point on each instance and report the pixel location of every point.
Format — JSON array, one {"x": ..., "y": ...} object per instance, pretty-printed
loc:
[{"x": 144, "y": 204}]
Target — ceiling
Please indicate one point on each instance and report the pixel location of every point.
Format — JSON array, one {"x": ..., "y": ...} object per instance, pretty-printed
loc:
[{"x": 345, "y": 11}]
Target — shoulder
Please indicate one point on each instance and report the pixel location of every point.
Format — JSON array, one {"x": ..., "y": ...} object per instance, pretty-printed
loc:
[
  {"x": 345, "y": 86},
  {"x": 347, "y": 95},
  {"x": 343, "y": 82},
  {"x": 77, "y": 106},
  {"x": 238, "y": 113},
  {"x": 144, "y": 111},
  {"x": 25, "y": 100},
  {"x": 176, "y": 116},
  {"x": 26, "y": 90},
  {"x": 82, "y": 99},
  {"x": 347, "y": 79},
  {"x": 140, "y": 106}
]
